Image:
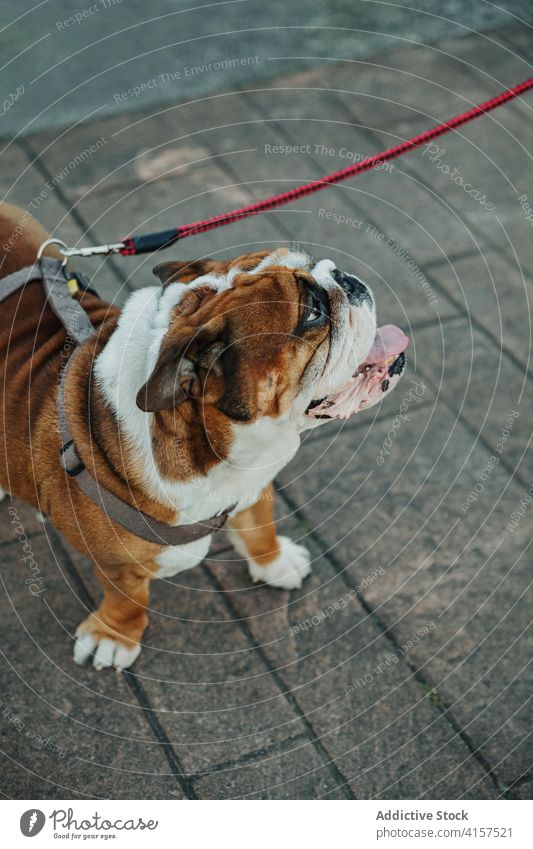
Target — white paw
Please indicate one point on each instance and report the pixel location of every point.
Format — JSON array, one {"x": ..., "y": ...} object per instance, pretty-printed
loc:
[
  {"x": 3, "y": 493},
  {"x": 288, "y": 570},
  {"x": 106, "y": 652}
]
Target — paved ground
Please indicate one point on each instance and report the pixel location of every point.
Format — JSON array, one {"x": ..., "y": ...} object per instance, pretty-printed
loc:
[
  {"x": 400, "y": 670},
  {"x": 76, "y": 59}
]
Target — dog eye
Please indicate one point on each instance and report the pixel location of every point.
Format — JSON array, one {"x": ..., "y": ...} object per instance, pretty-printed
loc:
[{"x": 313, "y": 315}]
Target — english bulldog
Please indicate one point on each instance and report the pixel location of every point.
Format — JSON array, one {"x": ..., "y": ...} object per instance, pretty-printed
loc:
[{"x": 185, "y": 403}]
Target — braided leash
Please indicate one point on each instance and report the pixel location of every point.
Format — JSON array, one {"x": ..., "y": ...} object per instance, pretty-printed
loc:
[{"x": 162, "y": 239}]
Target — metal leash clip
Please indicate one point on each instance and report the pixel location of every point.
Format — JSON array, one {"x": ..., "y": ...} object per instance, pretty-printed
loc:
[{"x": 92, "y": 250}]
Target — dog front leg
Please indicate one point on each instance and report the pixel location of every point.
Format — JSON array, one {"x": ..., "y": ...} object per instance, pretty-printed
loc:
[
  {"x": 274, "y": 559},
  {"x": 112, "y": 634}
]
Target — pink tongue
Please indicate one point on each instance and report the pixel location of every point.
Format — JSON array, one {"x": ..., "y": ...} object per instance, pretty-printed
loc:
[
  {"x": 372, "y": 379},
  {"x": 389, "y": 341}
]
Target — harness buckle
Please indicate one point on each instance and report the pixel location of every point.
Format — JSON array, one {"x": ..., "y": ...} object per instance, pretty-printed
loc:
[
  {"x": 70, "y": 459},
  {"x": 91, "y": 250}
]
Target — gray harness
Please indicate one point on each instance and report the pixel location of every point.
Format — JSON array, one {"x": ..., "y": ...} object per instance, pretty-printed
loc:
[{"x": 77, "y": 325}]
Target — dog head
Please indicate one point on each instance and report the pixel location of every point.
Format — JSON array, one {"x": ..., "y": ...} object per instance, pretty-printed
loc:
[{"x": 266, "y": 334}]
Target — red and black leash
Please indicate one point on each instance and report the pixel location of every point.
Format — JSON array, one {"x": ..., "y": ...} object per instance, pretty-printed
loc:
[{"x": 156, "y": 241}]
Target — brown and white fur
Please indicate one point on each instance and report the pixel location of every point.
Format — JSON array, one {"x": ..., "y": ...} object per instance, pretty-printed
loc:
[{"x": 189, "y": 400}]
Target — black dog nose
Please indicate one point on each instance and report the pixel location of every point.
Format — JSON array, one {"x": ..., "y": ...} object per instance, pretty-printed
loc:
[{"x": 358, "y": 293}]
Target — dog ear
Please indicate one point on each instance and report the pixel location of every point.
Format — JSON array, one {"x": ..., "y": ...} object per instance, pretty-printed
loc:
[
  {"x": 185, "y": 272},
  {"x": 180, "y": 370}
]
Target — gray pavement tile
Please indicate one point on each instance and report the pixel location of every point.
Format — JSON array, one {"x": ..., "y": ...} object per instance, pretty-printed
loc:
[
  {"x": 104, "y": 154},
  {"x": 73, "y": 68},
  {"x": 329, "y": 222},
  {"x": 464, "y": 609},
  {"x": 390, "y": 199},
  {"x": 444, "y": 564},
  {"x": 492, "y": 291},
  {"x": 167, "y": 203},
  {"x": 211, "y": 692},
  {"x": 486, "y": 59},
  {"x": 518, "y": 38},
  {"x": 479, "y": 381},
  {"x": 420, "y": 85},
  {"x": 522, "y": 791},
  {"x": 68, "y": 735},
  {"x": 21, "y": 184},
  {"x": 374, "y": 720},
  {"x": 295, "y": 773},
  {"x": 492, "y": 158},
  {"x": 24, "y": 185}
]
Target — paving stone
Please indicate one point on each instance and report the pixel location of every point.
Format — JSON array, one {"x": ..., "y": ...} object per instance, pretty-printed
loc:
[
  {"x": 210, "y": 690},
  {"x": 486, "y": 58},
  {"x": 67, "y": 735},
  {"x": 390, "y": 200},
  {"x": 522, "y": 791},
  {"x": 494, "y": 291},
  {"x": 444, "y": 566},
  {"x": 79, "y": 71},
  {"x": 382, "y": 730},
  {"x": 410, "y": 87},
  {"x": 295, "y": 773},
  {"x": 476, "y": 379},
  {"x": 326, "y": 224},
  {"x": 52, "y": 211},
  {"x": 21, "y": 184},
  {"x": 145, "y": 207},
  {"x": 518, "y": 38},
  {"x": 493, "y": 160},
  {"x": 107, "y": 153}
]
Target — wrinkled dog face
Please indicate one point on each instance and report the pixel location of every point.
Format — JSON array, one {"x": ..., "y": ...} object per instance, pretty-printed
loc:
[{"x": 265, "y": 334}]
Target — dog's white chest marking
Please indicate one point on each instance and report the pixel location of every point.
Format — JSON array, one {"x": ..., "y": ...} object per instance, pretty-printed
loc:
[{"x": 179, "y": 558}]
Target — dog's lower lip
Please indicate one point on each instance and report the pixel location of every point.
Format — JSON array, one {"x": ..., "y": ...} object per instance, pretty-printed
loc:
[{"x": 397, "y": 366}]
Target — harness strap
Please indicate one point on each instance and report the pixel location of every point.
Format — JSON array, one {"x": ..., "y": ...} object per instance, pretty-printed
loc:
[
  {"x": 78, "y": 326},
  {"x": 69, "y": 311}
]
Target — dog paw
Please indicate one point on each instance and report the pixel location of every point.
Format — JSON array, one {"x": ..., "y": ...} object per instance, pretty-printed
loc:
[
  {"x": 288, "y": 570},
  {"x": 104, "y": 650}
]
